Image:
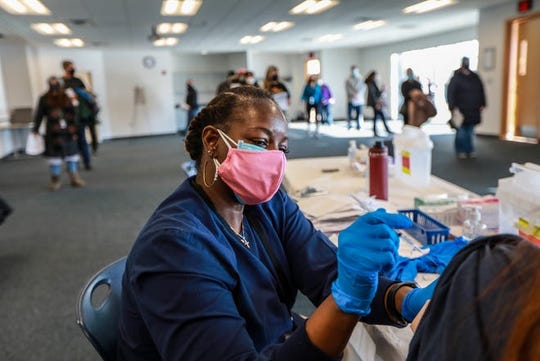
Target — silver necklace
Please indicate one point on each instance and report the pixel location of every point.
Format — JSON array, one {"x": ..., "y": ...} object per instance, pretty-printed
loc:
[{"x": 241, "y": 236}]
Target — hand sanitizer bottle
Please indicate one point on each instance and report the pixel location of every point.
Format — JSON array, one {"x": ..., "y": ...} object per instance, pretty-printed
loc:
[{"x": 473, "y": 226}]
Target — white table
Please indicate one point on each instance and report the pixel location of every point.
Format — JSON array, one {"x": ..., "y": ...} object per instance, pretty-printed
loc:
[{"x": 368, "y": 342}]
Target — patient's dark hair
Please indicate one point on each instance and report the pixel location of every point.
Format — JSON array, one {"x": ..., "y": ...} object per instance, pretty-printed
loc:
[{"x": 220, "y": 113}]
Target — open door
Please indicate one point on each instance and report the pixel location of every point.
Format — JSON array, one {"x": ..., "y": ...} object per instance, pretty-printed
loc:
[{"x": 523, "y": 107}]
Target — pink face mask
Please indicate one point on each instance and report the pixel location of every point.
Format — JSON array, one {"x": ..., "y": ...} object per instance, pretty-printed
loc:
[{"x": 253, "y": 173}]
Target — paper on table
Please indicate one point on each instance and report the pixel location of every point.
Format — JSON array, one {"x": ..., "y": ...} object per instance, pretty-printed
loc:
[
  {"x": 330, "y": 213},
  {"x": 326, "y": 204}
]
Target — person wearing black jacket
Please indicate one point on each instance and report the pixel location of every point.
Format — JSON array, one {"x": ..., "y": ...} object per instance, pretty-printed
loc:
[
  {"x": 375, "y": 101},
  {"x": 465, "y": 94},
  {"x": 191, "y": 101}
]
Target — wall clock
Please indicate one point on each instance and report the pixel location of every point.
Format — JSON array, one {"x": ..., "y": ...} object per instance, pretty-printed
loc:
[{"x": 149, "y": 62}]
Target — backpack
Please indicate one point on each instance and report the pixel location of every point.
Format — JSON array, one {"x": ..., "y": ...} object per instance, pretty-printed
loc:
[{"x": 88, "y": 108}]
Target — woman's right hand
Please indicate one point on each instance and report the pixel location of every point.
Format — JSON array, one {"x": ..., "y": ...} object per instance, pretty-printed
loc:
[{"x": 365, "y": 248}]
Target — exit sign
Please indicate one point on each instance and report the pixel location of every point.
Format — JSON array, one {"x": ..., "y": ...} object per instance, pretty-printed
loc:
[{"x": 524, "y": 5}]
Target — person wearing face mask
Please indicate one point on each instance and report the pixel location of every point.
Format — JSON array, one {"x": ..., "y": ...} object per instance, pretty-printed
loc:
[
  {"x": 375, "y": 100},
  {"x": 277, "y": 88},
  {"x": 59, "y": 112},
  {"x": 465, "y": 94},
  {"x": 250, "y": 79},
  {"x": 214, "y": 273},
  {"x": 86, "y": 119},
  {"x": 407, "y": 89},
  {"x": 356, "y": 97},
  {"x": 312, "y": 99}
]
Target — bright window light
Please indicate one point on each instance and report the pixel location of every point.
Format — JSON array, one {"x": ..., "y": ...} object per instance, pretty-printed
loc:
[
  {"x": 369, "y": 24},
  {"x": 51, "y": 29},
  {"x": 428, "y": 5},
  {"x": 166, "y": 42},
  {"x": 251, "y": 39},
  {"x": 180, "y": 7},
  {"x": 313, "y": 67},
  {"x": 311, "y": 7},
  {"x": 69, "y": 43},
  {"x": 171, "y": 28},
  {"x": 328, "y": 38},
  {"x": 24, "y": 7},
  {"x": 276, "y": 26}
]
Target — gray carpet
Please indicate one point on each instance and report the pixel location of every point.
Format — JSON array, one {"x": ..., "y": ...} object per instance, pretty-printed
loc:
[{"x": 53, "y": 242}]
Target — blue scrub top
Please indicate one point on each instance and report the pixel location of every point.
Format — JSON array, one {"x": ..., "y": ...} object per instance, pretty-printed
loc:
[{"x": 193, "y": 291}]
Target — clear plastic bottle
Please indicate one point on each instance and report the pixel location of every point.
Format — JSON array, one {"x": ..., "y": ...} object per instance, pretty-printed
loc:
[
  {"x": 473, "y": 226},
  {"x": 351, "y": 154}
]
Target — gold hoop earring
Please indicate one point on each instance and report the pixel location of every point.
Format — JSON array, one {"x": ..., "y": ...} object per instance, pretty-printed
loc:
[{"x": 204, "y": 174}]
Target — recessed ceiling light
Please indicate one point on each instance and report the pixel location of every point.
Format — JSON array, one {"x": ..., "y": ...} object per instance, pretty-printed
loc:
[
  {"x": 328, "y": 38},
  {"x": 311, "y": 7},
  {"x": 180, "y": 7},
  {"x": 369, "y": 24},
  {"x": 51, "y": 28},
  {"x": 276, "y": 26},
  {"x": 428, "y": 5},
  {"x": 69, "y": 43},
  {"x": 166, "y": 42},
  {"x": 251, "y": 39},
  {"x": 171, "y": 28},
  {"x": 24, "y": 7}
]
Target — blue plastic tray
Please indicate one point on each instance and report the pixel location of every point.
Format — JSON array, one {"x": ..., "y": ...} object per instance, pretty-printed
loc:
[{"x": 426, "y": 229}]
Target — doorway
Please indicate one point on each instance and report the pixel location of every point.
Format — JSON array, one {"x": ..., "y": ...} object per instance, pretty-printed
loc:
[{"x": 522, "y": 89}]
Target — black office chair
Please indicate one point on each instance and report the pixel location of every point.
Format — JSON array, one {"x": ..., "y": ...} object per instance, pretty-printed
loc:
[{"x": 99, "y": 323}]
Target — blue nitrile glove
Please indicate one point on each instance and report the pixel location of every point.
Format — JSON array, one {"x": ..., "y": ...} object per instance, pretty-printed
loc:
[
  {"x": 365, "y": 248},
  {"x": 415, "y": 300}
]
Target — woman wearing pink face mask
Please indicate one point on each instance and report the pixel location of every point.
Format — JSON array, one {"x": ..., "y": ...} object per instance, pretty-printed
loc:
[{"x": 214, "y": 273}]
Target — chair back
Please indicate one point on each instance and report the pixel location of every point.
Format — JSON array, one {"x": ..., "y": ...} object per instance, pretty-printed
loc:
[{"x": 99, "y": 323}]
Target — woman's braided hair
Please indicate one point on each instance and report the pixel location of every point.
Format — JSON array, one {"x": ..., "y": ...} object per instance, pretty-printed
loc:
[{"x": 218, "y": 113}]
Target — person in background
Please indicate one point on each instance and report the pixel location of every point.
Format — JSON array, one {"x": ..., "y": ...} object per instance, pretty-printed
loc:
[
  {"x": 486, "y": 306},
  {"x": 356, "y": 94},
  {"x": 407, "y": 87},
  {"x": 376, "y": 102},
  {"x": 327, "y": 100},
  {"x": 60, "y": 113},
  {"x": 277, "y": 88},
  {"x": 312, "y": 99},
  {"x": 246, "y": 250},
  {"x": 191, "y": 101},
  {"x": 250, "y": 79},
  {"x": 86, "y": 118},
  {"x": 465, "y": 94},
  {"x": 224, "y": 85}
]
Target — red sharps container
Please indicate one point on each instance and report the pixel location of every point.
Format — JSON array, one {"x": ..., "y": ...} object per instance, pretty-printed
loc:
[{"x": 378, "y": 171}]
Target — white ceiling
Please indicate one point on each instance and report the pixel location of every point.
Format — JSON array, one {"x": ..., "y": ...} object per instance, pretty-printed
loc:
[{"x": 219, "y": 24}]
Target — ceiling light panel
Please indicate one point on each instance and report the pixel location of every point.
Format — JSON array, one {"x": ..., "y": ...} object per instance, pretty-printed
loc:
[
  {"x": 328, "y": 38},
  {"x": 180, "y": 7},
  {"x": 276, "y": 26},
  {"x": 172, "y": 28},
  {"x": 166, "y": 42},
  {"x": 369, "y": 24},
  {"x": 51, "y": 29},
  {"x": 251, "y": 39},
  {"x": 24, "y": 7},
  {"x": 428, "y": 5},
  {"x": 69, "y": 43},
  {"x": 312, "y": 7}
]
